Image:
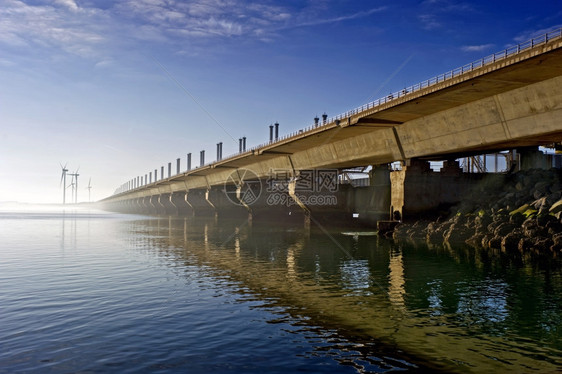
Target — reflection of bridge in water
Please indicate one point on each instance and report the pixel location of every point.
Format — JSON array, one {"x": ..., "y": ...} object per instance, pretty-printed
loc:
[
  {"x": 509, "y": 101},
  {"x": 437, "y": 305}
]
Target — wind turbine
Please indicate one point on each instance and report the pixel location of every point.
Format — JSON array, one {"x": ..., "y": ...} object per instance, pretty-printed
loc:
[
  {"x": 75, "y": 185},
  {"x": 63, "y": 182},
  {"x": 89, "y": 189}
]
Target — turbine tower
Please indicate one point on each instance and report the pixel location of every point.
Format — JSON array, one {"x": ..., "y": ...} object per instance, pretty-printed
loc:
[
  {"x": 74, "y": 185},
  {"x": 63, "y": 182},
  {"x": 89, "y": 190}
]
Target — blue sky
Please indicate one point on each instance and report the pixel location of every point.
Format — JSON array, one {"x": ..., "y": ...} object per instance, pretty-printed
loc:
[{"x": 119, "y": 88}]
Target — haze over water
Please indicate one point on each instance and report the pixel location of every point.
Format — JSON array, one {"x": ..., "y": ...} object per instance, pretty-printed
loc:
[{"x": 90, "y": 291}]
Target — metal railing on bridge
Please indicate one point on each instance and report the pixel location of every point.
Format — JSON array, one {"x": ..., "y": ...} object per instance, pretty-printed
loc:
[{"x": 488, "y": 60}]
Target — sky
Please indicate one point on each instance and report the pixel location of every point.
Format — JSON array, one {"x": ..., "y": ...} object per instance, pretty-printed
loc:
[{"x": 116, "y": 89}]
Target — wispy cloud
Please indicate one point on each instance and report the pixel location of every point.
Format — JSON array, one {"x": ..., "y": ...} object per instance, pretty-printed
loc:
[
  {"x": 429, "y": 21},
  {"x": 433, "y": 10},
  {"x": 45, "y": 26},
  {"x": 360, "y": 14},
  {"x": 82, "y": 29},
  {"x": 476, "y": 48}
]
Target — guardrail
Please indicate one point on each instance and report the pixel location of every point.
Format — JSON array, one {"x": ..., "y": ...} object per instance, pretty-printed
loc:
[{"x": 488, "y": 60}]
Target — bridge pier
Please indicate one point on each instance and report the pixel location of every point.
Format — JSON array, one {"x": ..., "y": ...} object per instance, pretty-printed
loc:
[
  {"x": 196, "y": 198},
  {"x": 418, "y": 191}
]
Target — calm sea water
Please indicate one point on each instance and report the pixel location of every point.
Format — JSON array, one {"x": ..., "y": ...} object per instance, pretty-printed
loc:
[{"x": 89, "y": 291}]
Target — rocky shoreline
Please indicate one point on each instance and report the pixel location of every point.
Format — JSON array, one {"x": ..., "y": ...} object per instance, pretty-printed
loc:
[{"x": 510, "y": 212}]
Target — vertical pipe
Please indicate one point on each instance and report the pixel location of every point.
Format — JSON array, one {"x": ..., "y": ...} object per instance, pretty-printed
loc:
[
  {"x": 178, "y": 166},
  {"x": 202, "y": 159},
  {"x": 270, "y": 133},
  {"x": 276, "y": 131},
  {"x": 169, "y": 169},
  {"x": 189, "y": 161}
]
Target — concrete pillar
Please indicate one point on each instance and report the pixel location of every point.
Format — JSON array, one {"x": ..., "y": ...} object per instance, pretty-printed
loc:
[
  {"x": 244, "y": 143},
  {"x": 296, "y": 199},
  {"x": 240, "y": 145},
  {"x": 145, "y": 179},
  {"x": 162, "y": 172},
  {"x": 178, "y": 166},
  {"x": 169, "y": 169},
  {"x": 397, "y": 179},
  {"x": 155, "y": 175},
  {"x": 202, "y": 159},
  {"x": 188, "y": 161},
  {"x": 270, "y": 133},
  {"x": 150, "y": 177},
  {"x": 276, "y": 131},
  {"x": 533, "y": 158}
]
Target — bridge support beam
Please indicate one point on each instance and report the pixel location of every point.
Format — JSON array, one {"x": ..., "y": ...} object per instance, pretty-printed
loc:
[
  {"x": 297, "y": 200},
  {"x": 240, "y": 198}
]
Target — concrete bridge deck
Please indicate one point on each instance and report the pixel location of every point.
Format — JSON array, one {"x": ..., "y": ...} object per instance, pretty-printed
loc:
[{"x": 513, "y": 101}]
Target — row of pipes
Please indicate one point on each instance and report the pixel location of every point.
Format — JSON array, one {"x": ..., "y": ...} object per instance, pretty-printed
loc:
[{"x": 140, "y": 181}]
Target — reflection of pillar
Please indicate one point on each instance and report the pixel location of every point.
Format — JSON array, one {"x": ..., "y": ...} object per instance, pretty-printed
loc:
[
  {"x": 291, "y": 264},
  {"x": 206, "y": 237},
  {"x": 396, "y": 280},
  {"x": 237, "y": 242}
]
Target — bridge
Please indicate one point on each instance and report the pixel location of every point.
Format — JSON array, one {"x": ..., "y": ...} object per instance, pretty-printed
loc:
[{"x": 511, "y": 100}]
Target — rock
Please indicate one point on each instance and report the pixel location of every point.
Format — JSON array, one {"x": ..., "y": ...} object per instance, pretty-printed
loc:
[
  {"x": 475, "y": 240},
  {"x": 522, "y": 209},
  {"x": 504, "y": 229},
  {"x": 495, "y": 242},
  {"x": 517, "y": 219},
  {"x": 510, "y": 242},
  {"x": 457, "y": 233},
  {"x": 556, "y": 207},
  {"x": 525, "y": 244}
]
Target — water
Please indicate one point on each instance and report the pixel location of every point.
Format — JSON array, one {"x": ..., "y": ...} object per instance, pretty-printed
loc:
[{"x": 88, "y": 291}]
